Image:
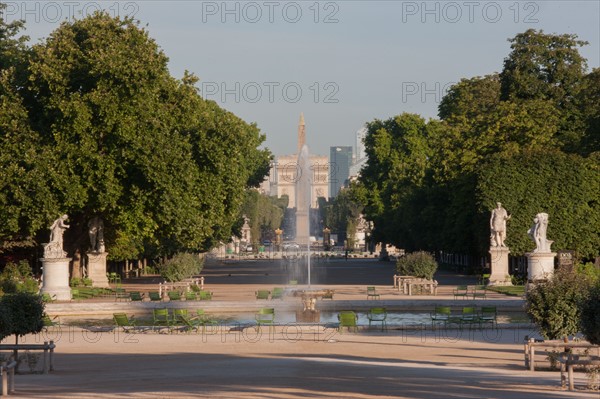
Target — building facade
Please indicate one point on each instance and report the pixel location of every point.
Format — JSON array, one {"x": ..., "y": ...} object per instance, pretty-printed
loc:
[{"x": 340, "y": 159}]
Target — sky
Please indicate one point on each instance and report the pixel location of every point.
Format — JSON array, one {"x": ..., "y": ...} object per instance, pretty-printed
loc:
[{"x": 341, "y": 63}]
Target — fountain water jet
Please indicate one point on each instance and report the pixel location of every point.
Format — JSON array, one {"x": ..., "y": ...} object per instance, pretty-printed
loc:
[{"x": 303, "y": 202}]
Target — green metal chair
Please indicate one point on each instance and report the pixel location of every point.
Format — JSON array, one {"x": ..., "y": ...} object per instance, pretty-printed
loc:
[
  {"x": 125, "y": 323},
  {"x": 277, "y": 293},
  {"x": 187, "y": 323},
  {"x": 488, "y": 314},
  {"x": 161, "y": 319},
  {"x": 378, "y": 315},
  {"x": 154, "y": 296},
  {"x": 479, "y": 291},
  {"x": 50, "y": 322},
  {"x": 468, "y": 316},
  {"x": 265, "y": 316},
  {"x": 372, "y": 293},
  {"x": 462, "y": 291},
  {"x": 441, "y": 314},
  {"x": 349, "y": 319},
  {"x": 136, "y": 296},
  {"x": 205, "y": 320},
  {"x": 263, "y": 294}
]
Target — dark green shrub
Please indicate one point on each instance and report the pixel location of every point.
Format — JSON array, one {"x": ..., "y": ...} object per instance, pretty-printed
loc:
[
  {"x": 181, "y": 266},
  {"x": 18, "y": 278},
  {"x": 75, "y": 282},
  {"x": 418, "y": 264},
  {"x": 87, "y": 282},
  {"x": 554, "y": 306},
  {"x": 590, "y": 315}
]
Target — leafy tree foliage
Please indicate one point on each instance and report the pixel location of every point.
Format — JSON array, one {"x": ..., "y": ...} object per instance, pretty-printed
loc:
[
  {"x": 265, "y": 214},
  {"x": 17, "y": 278},
  {"x": 548, "y": 67},
  {"x": 341, "y": 214},
  {"x": 501, "y": 137},
  {"x": 101, "y": 128}
]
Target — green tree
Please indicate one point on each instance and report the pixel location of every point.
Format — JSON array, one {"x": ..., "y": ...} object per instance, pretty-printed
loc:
[
  {"x": 107, "y": 131},
  {"x": 265, "y": 214},
  {"x": 548, "y": 67},
  {"x": 23, "y": 313},
  {"x": 181, "y": 266}
]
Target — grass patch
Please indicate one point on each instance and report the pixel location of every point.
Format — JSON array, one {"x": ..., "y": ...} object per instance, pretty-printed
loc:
[
  {"x": 91, "y": 292},
  {"x": 513, "y": 290}
]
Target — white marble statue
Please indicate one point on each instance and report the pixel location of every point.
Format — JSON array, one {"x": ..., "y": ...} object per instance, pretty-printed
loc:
[
  {"x": 96, "y": 232},
  {"x": 54, "y": 249},
  {"x": 537, "y": 232},
  {"x": 498, "y": 226}
]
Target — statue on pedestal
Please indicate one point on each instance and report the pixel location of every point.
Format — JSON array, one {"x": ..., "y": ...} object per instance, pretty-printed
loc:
[
  {"x": 54, "y": 249},
  {"x": 96, "y": 232},
  {"x": 498, "y": 226},
  {"x": 537, "y": 232}
]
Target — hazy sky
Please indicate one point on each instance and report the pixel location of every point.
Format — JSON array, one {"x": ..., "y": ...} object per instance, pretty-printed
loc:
[{"x": 342, "y": 63}]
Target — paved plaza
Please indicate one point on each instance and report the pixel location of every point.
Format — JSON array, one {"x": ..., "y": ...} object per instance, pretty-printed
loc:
[{"x": 308, "y": 361}]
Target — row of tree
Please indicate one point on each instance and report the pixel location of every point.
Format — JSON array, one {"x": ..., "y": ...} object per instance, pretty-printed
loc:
[
  {"x": 93, "y": 124},
  {"x": 528, "y": 137}
]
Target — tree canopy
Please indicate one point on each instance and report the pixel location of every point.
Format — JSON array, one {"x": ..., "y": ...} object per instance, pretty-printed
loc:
[
  {"x": 101, "y": 128},
  {"x": 527, "y": 137}
]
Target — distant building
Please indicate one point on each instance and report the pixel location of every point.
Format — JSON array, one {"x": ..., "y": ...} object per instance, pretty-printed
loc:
[
  {"x": 360, "y": 158},
  {"x": 284, "y": 173},
  {"x": 340, "y": 159}
]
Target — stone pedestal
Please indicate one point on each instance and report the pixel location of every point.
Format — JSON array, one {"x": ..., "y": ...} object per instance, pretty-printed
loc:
[
  {"x": 499, "y": 265},
  {"x": 308, "y": 316},
  {"x": 97, "y": 268},
  {"x": 540, "y": 265},
  {"x": 56, "y": 278}
]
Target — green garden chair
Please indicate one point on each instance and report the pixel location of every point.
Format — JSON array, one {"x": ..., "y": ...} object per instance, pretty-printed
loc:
[
  {"x": 205, "y": 320},
  {"x": 441, "y": 314},
  {"x": 50, "y": 322},
  {"x": 265, "y": 316},
  {"x": 161, "y": 319},
  {"x": 125, "y": 323},
  {"x": 154, "y": 296},
  {"x": 378, "y": 315},
  {"x": 136, "y": 296},
  {"x": 263, "y": 294},
  {"x": 469, "y": 316},
  {"x": 277, "y": 293},
  {"x": 488, "y": 314},
  {"x": 121, "y": 294},
  {"x": 372, "y": 293},
  {"x": 349, "y": 319},
  {"x": 462, "y": 291},
  {"x": 479, "y": 291}
]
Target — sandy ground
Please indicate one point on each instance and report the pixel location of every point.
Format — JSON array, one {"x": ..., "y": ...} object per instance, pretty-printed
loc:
[{"x": 293, "y": 361}]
